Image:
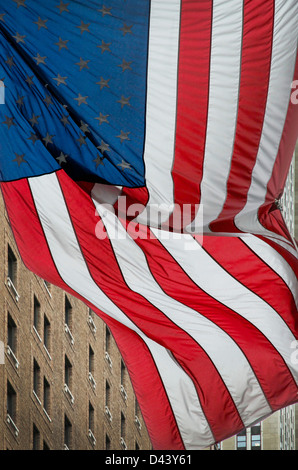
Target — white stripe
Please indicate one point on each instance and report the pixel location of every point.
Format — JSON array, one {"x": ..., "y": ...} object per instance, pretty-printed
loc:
[
  {"x": 225, "y": 71},
  {"x": 219, "y": 284},
  {"x": 281, "y": 76},
  {"x": 161, "y": 108},
  {"x": 72, "y": 268},
  {"x": 275, "y": 261},
  {"x": 223, "y": 351},
  {"x": 284, "y": 244},
  {"x": 251, "y": 224}
]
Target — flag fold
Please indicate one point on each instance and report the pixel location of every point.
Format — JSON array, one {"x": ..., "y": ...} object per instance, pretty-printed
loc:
[{"x": 144, "y": 150}]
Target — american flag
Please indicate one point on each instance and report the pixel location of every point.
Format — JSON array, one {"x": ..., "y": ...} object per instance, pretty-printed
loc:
[{"x": 168, "y": 104}]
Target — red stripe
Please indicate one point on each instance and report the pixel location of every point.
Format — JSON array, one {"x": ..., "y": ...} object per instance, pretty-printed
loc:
[
  {"x": 289, "y": 257},
  {"x": 254, "y": 274},
  {"x": 221, "y": 414},
  {"x": 192, "y": 102},
  {"x": 286, "y": 150},
  {"x": 255, "y": 74},
  {"x": 32, "y": 246},
  {"x": 270, "y": 217},
  {"x": 175, "y": 282}
]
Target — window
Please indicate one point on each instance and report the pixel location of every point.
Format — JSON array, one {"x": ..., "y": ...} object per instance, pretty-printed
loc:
[
  {"x": 123, "y": 373},
  {"x": 46, "y": 396},
  {"x": 11, "y": 402},
  {"x": 36, "y": 438},
  {"x": 11, "y": 334},
  {"x": 91, "y": 418},
  {"x": 68, "y": 320},
  {"x": 46, "y": 333},
  {"x": 256, "y": 437},
  {"x": 108, "y": 340},
  {"x": 68, "y": 313},
  {"x": 68, "y": 380},
  {"x": 91, "y": 368},
  {"x": 67, "y": 433},
  {"x": 68, "y": 372},
  {"x": 123, "y": 381},
  {"x": 36, "y": 378},
  {"x": 12, "y": 274},
  {"x": 108, "y": 394},
  {"x": 137, "y": 413},
  {"x": 36, "y": 314},
  {"x": 241, "y": 440},
  {"x": 123, "y": 427},
  {"x": 45, "y": 446},
  {"x": 91, "y": 360},
  {"x": 108, "y": 443},
  {"x": 12, "y": 266}
]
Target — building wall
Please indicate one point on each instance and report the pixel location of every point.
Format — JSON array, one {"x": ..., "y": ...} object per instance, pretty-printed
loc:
[{"x": 85, "y": 333}]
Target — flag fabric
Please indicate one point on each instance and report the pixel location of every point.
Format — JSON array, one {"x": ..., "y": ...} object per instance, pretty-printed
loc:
[{"x": 144, "y": 149}]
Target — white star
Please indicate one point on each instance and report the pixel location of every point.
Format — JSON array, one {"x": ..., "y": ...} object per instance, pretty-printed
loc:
[
  {"x": 64, "y": 120},
  {"x": 29, "y": 80},
  {"x": 62, "y": 43},
  {"x": 83, "y": 64},
  {"x": 62, "y": 158},
  {"x": 41, "y": 23},
  {"x": 105, "y": 10},
  {"x": 81, "y": 99},
  {"x": 104, "y": 147},
  {"x": 60, "y": 80},
  {"x": 104, "y": 46},
  {"x": 33, "y": 137},
  {"x": 84, "y": 27},
  {"x": 84, "y": 127},
  {"x": 10, "y": 62},
  {"x": 62, "y": 7},
  {"x": 9, "y": 122},
  {"x": 19, "y": 38},
  {"x": 124, "y": 165},
  {"x": 99, "y": 160},
  {"x": 102, "y": 118},
  {"x": 48, "y": 100},
  {"x": 123, "y": 136},
  {"x": 124, "y": 101},
  {"x": 126, "y": 29},
  {"x": 125, "y": 65},
  {"x": 19, "y": 158},
  {"x": 82, "y": 140},
  {"x": 103, "y": 83},
  {"x": 48, "y": 139},
  {"x": 20, "y": 3},
  {"x": 34, "y": 120},
  {"x": 20, "y": 101},
  {"x": 39, "y": 59}
]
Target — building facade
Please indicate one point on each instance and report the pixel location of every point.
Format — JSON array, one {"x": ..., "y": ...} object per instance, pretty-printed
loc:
[{"x": 63, "y": 383}]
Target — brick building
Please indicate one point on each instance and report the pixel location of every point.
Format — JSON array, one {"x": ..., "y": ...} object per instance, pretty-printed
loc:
[{"x": 63, "y": 384}]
